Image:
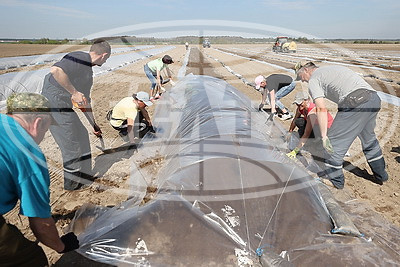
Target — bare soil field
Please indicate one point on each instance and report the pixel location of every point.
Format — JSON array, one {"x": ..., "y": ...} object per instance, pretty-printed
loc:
[
  {"x": 14, "y": 50},
  {"x": 114, "y": 169}
]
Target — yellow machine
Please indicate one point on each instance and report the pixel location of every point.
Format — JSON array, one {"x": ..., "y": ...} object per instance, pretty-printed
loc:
[{"x": 282, "y": 44}]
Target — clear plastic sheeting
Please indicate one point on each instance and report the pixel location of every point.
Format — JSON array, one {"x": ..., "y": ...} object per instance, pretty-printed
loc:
[
  {"x": 130, "y": 48},
  {"x": 23, "y": 81},
  {"x": 121, "y": 60},
  {"x": 22, "y": 61},
  {"x": 17, "y": 62},
  {"x": 227, "y": 195}
]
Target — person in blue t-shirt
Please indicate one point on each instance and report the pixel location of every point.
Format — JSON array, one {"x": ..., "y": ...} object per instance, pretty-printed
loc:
[{"x": 25, "y": 178}]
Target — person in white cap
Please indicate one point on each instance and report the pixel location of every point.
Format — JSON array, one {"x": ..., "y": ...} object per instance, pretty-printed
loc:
[
  {"x": 275, "y": 86},
  {"x": 306, "y": 121},
  {"x": 130, "y": 117}
]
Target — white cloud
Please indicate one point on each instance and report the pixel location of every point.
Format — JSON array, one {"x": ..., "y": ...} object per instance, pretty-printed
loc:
[{"x": 61, "y": 11}]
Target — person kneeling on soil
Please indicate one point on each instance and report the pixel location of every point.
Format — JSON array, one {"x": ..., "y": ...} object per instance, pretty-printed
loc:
[
  {"x": 25, "y": 178},
  {"x": 306, "y": 121},
  {"x": 130, "y": 117}
]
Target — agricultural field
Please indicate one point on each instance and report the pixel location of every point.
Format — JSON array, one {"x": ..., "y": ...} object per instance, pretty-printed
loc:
[{"x": 379, "y": 64}]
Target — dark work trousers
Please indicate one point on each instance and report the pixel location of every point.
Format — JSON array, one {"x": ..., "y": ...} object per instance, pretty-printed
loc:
[
  {"x": 350, "y": 123},
  {"x": 140, "y": 127},
  {"x": 16, "y": 250},
  {"x": 314, "y": 143},
  {"x": 301, "y": 125},
  {"x": 72, "y": 138}
]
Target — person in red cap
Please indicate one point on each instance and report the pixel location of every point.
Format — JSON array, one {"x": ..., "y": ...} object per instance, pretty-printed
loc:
[
  {"x": 153, "y": 72},
  {"x": 275, "y": 86}
]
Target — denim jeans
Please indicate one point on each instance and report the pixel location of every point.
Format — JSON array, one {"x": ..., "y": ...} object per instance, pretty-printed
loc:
[
  {"x": 281, "y": 93},
  {"x": 151, "y": 76}
]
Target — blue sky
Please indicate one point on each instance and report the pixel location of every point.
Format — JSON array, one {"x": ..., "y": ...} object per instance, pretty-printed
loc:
[{"x": 166, "y": 18}]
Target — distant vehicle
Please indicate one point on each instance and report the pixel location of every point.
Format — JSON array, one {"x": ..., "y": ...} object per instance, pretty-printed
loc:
[
  {"x": 282, "y": 44},
  {"x": 206, "y": 43}
]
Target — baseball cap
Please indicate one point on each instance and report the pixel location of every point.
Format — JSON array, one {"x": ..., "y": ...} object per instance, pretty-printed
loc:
[
  {"x": 258, "y": 81},
  {"x": 144, "y": 97},
  {"x": 300, "y": 96},
  {"x": 299, "y": 65},
  {"x": 167, "y": 59},
  {"x": 296, "y": 68},
  {"x": 29, "y": 103}
]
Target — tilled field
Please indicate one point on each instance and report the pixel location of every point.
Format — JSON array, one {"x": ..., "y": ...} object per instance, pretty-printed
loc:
[{"x": 114, "y": 168}]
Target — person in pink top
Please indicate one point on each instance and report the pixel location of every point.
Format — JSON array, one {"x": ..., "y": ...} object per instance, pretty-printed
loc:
[{"x": 306, "y": 121}]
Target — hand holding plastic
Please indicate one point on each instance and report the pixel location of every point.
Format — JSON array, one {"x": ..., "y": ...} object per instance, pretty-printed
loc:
[
  {"x": 70, "y": 241},
  {"x": 292, "y": 154}
]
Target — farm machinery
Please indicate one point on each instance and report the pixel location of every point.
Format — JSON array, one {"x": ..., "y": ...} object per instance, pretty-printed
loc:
[{"x": 282, "y": 44}]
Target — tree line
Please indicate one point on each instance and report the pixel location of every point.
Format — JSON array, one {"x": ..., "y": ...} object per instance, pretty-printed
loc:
[{"x": 133, "y": 40}]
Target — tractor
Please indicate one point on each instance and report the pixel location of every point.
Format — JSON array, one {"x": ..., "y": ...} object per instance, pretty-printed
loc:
[
  {"x": 206, "y": 43},
  {"x": 282, "y": 44}
]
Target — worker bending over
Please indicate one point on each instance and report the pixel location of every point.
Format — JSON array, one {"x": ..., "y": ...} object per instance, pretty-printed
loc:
[
  {"x": 306, "y": 121},
  {"x": 130, "y": 117},
  {"x": 275, "y": 86},
  {"x": 358, "y": 107},
  {"x": 153, "y": 72}
]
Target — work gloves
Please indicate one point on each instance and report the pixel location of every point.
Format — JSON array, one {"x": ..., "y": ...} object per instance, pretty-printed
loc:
[
  {"x": 292, "y": 154},
  {"x": 326, "y": 143},
  {"x": 70, "y": 241}
]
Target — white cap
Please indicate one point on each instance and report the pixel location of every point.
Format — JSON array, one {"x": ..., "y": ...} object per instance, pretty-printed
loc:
[
  {"x": 144, "y": 97},
  {"x": 258, "y": 80},
  {"x": 300, "y": 97}
]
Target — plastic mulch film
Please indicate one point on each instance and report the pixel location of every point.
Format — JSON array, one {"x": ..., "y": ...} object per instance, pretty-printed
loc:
[{"x": 227, "y": 196}]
